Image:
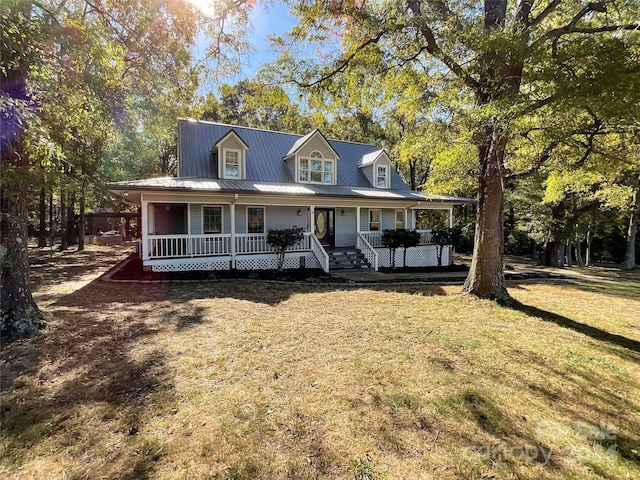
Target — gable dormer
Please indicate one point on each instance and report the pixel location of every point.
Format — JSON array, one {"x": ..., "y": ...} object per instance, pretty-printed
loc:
[
  {"x": 312, "y": 159},
  {"x": 230, "y": 156},
  {"x": 377, "y": 166}
]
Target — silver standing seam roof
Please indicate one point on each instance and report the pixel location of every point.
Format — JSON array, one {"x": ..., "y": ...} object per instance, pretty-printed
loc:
[{"x": 267, "y": 172}]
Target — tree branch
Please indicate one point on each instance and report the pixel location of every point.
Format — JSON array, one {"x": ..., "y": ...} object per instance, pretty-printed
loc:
[
  {"x": 342, "y": 64},
  {"x": 545, "y": 13},
  {"x": 434, "y": 49}
]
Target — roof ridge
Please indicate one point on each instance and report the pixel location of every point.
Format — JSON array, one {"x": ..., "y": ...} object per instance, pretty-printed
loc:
[{"x": 209, "y": 122}]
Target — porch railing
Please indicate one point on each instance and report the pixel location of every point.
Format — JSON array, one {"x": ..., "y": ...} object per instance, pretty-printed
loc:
[
  {"x": 367, "y": 250},
  {"x": 175, "y": 246},
  {"x": 257, "y": 243},
  {"x": 321, "y": 254},
  {"x": 180, "y": 246},
  {"x": 375, "y": 238}
]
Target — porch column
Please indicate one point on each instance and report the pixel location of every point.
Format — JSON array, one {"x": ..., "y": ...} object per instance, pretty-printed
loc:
[
  {"x": 312, "y": 219},
  {"x": 451, "y": 217},
  {"x": 357, "y": 219},
  {"x": 232, "y": 240},
  {"x": 144, "y": 244}
]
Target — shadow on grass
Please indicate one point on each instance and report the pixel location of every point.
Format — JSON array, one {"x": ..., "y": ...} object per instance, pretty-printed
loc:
[{"x": 593, "y": 332}]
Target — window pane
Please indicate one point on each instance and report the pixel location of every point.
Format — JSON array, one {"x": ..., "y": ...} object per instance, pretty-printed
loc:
[
  {"x": 374, "y": 220},
  {"x": 316, "y": 165},
  {"x": 212, "y": 219},
  {"x": 255, "y": 220},
  {"x": 315, "y": 154},
  {"x": 304, "y": 170},
  {"x": 328, "y": 171},
  {"x": 231, "y": 164},
  {"x": 382, "y": 177},
  {"x": 399, "y": 219}
]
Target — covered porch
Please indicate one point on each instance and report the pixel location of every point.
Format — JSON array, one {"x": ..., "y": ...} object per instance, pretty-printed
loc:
[{"x": 220, "y": 233}]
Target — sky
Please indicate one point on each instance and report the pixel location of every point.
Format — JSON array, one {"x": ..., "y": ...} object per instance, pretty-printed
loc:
[{"x": 265, "y": 20}]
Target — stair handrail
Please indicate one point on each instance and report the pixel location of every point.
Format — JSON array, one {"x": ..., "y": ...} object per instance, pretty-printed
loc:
[
  {"x": 368, "y": 251},
  {"x": 320, "y": 253}
]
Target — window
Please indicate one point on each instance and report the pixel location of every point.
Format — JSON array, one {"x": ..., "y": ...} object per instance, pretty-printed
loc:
[
  {"x": 211, "y": 219},
  {"x": 232, "y": 164},
  {"x": 316, "y": 169},
  {"x": 399, "y": 219},
  {"x": 374, "y": 220},
  {"x": 381, "y": 177},
  {"x": 255, "y": 219}
]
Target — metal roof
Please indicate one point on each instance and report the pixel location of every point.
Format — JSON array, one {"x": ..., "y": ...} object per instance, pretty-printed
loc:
[
  {"x": 266, "y": 153},
  {"x": 266, "y": 171},
  {"x": 214, "y": 185}
]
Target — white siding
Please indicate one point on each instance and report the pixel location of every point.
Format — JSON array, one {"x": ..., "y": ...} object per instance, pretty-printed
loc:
[
  {"x": 285, "y": 217},
  {"x": 345, "y": 227},
  {"x": 368, "y": 172},
  {"x": 388, "y": 219},
  {"x": 316, "y": 143},
  {"x": 195, "y": 211},
  {"x": 241, "y": 218}
]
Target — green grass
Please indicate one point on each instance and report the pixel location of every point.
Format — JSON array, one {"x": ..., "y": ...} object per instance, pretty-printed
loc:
[{"x": 248, "y": 380}]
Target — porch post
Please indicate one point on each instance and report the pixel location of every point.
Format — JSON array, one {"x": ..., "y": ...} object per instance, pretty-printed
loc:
[
  {"x": 232, "y": 240},
  {"x": 312, "y": 219},
  {"x": 357, "y": 219},
  {"x": 450, "y": 217},
  {"x": 144, "y": 244}
]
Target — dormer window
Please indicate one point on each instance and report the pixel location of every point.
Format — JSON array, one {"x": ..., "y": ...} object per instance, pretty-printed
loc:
[
  {"x": 316, "y": 169},
  {"x": 230, "y": 153},
  {"x": 382, "y": 176},
  {"x": 232, "y": 163}
]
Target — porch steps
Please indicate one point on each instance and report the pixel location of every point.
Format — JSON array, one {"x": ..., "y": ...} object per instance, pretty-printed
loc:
[{"x": 347, "y": 259}]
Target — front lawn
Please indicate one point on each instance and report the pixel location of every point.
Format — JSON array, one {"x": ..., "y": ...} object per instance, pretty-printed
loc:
[{"x": 245, "y": 380}]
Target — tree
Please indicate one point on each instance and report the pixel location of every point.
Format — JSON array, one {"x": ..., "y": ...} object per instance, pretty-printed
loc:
[
  {"x": 512, "y": 60},
  {"x": 409, "y": 239},
  {"x": 441, "y": 237},
  {"x": 392, "y": 239},
  {"x": 281, "y": 239},
  {"x": 94, "y": 59}
]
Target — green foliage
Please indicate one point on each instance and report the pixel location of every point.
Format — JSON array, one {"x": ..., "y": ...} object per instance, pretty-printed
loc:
[
  {"x": 442, "y": 237},
  {"x": 281, "y": 239}
]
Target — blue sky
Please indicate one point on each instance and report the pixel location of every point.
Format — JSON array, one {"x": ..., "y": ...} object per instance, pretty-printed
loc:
[{"x": 272, "y": 19}]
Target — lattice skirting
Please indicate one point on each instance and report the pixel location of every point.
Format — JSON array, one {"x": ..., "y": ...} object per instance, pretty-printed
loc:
[
  {"x": 184, "y": 264},
  {"x": 243, "y": 262},
  {"x": 421, "y": 256}
]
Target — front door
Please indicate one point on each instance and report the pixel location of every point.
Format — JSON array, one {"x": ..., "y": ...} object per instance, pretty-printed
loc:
[{"x": 325, "y": 231}]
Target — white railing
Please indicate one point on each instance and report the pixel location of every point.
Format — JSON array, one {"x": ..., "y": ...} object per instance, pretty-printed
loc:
[
  {"x": 367, "y": 250},
  {"x": 375, "y": 238},
  {"x": 257, "y": 243},
  {"x": 175, "y": 246},
  {"x": 321, "y": 254},
  {"x": 425, "y": 237},
  {"x": 180, "y": 246}
]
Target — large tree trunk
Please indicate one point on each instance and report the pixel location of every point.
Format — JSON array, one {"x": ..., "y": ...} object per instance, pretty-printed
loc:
[
  {"x": 486, "y": 275},
  {"x": 568, "y": 254},
  {"x": 579, "y": 258},
  {"x": 71, "y": 220},
  {"x": 63, "y": 218},
  {"x": 19, "y": 315},
  {"x": 587, "y": 261},
  {"x": 81, "y": 221},
  {"x": 632, "y": 231},
  {"x": 42, "y": 233}
]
